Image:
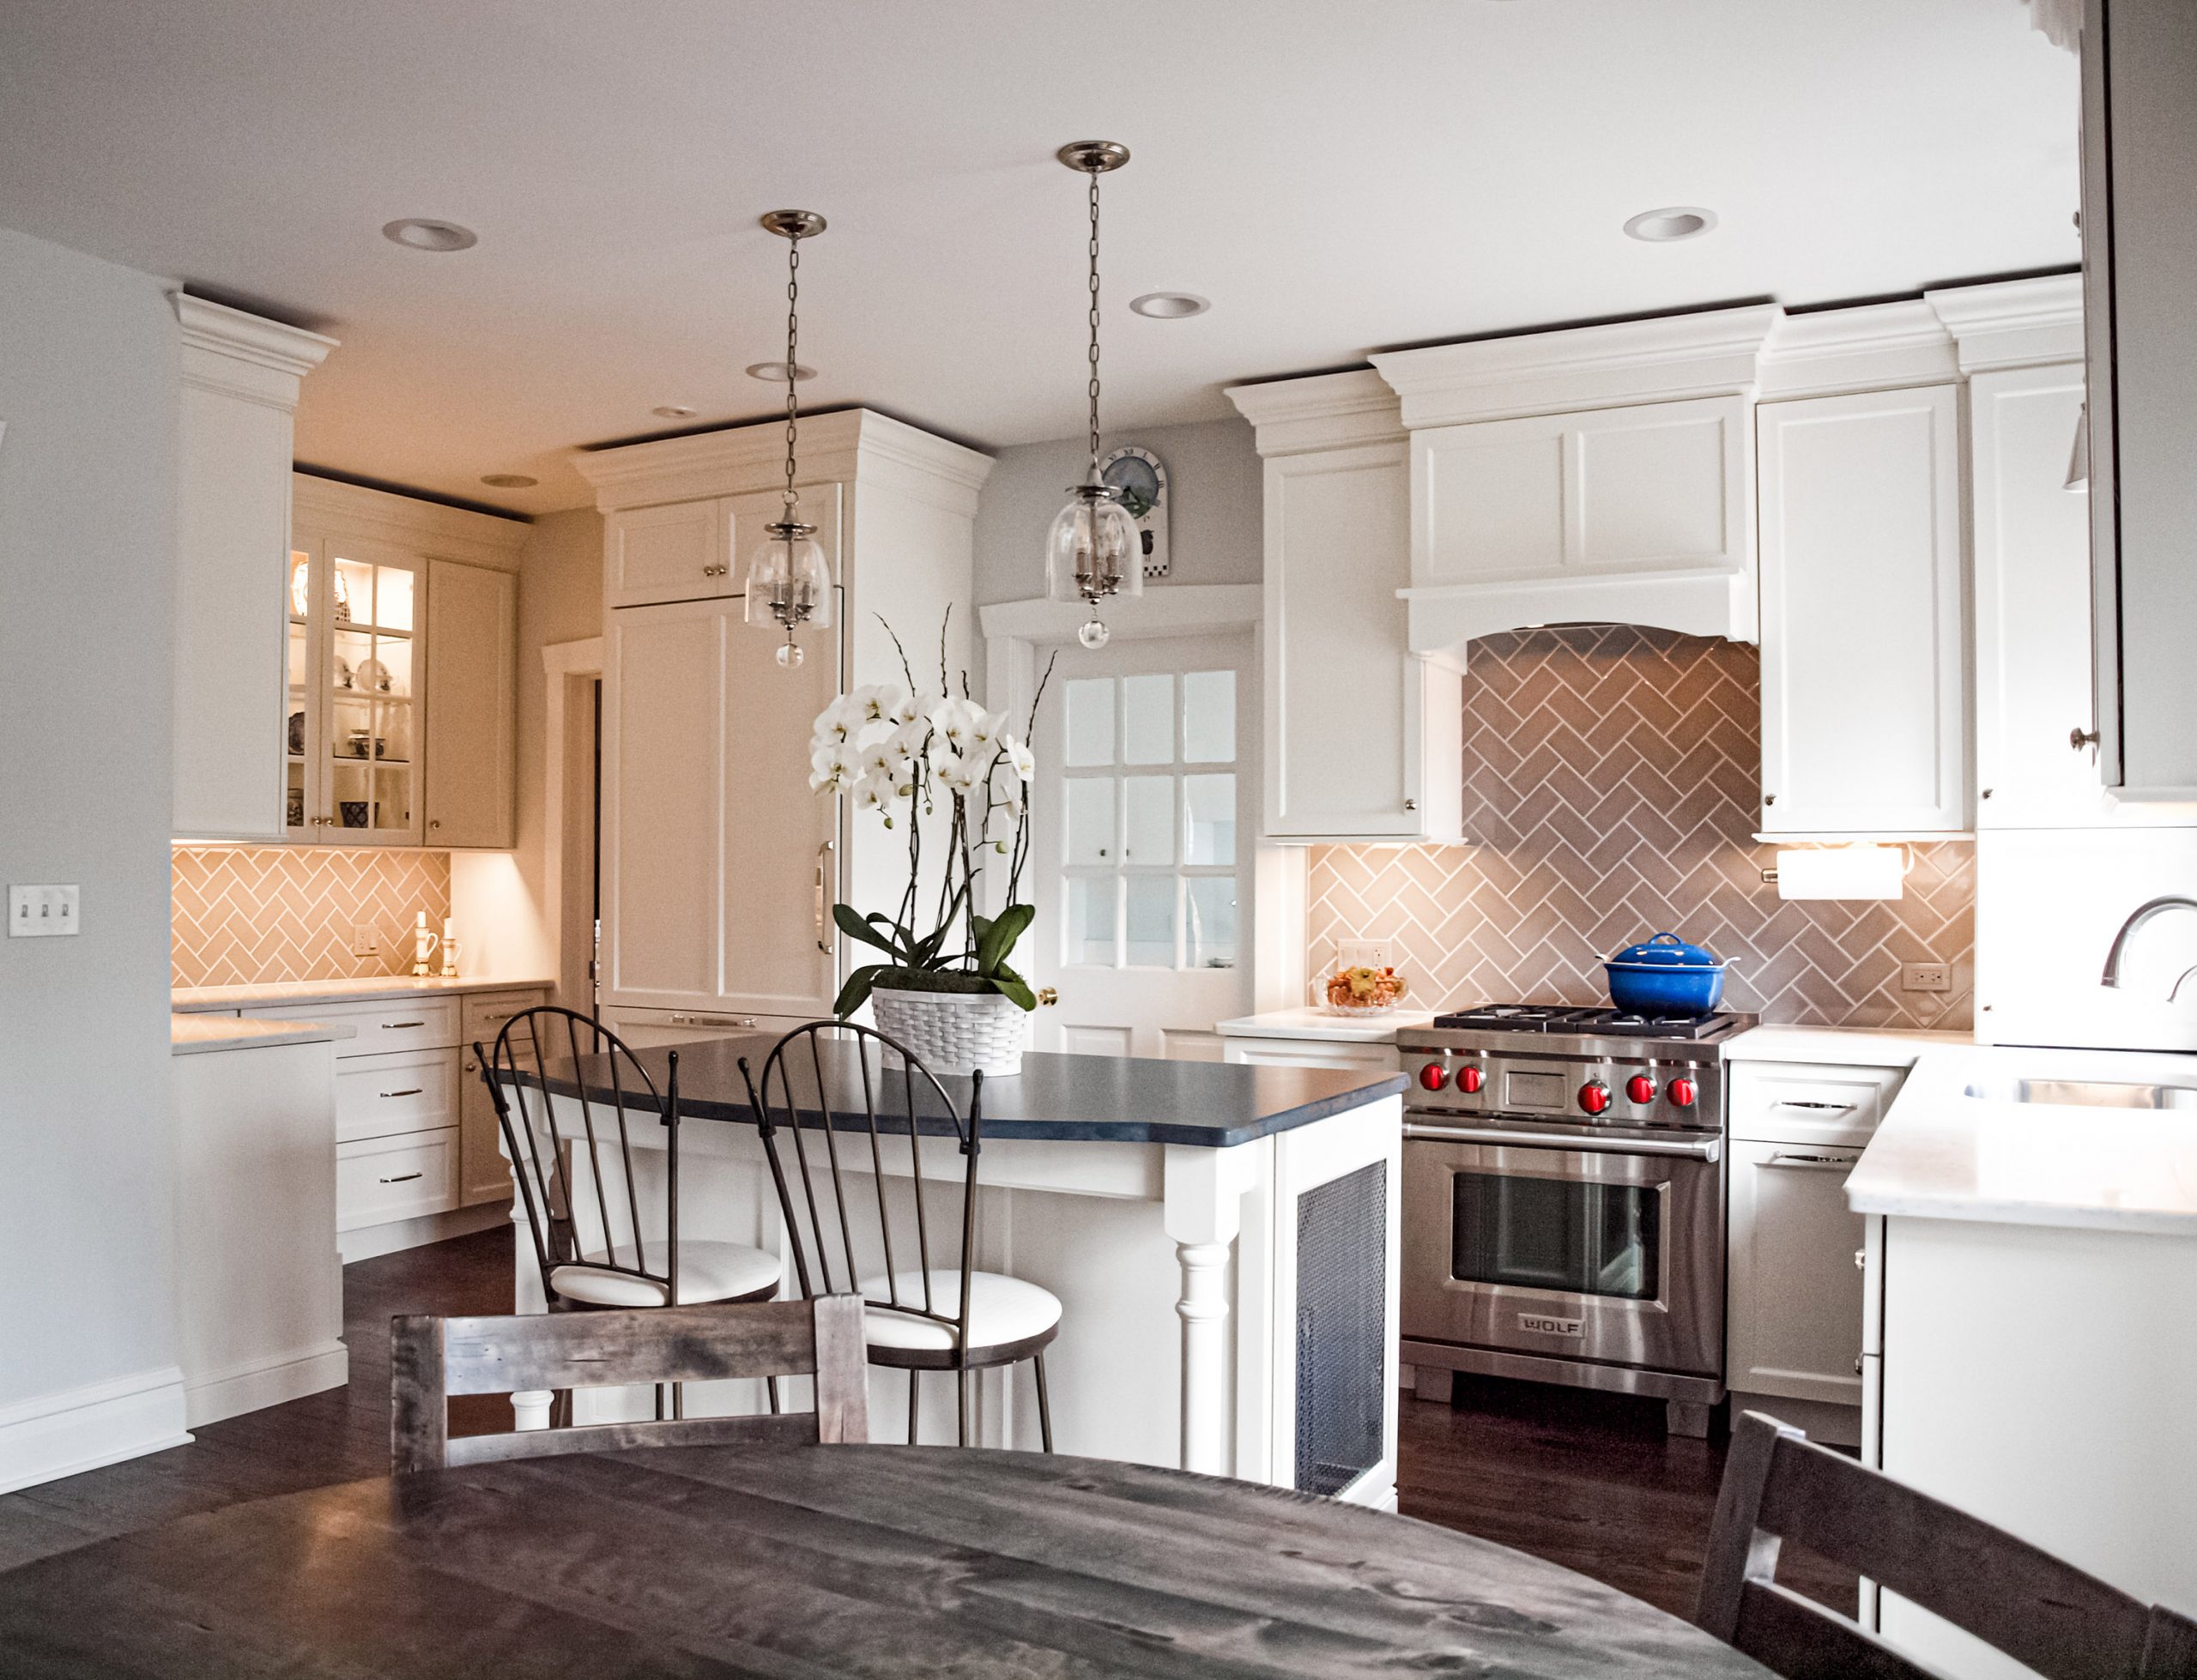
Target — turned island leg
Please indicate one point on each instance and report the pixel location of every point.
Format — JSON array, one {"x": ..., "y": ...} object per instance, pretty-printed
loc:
[{"x": 1204, "y": 1212}]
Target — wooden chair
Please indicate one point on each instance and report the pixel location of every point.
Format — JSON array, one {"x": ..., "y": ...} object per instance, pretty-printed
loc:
[
  {"x": 927, "y": 1311},
  {"x": 432, "y": 1359},
  {"x": 1779, "y": 1485}
]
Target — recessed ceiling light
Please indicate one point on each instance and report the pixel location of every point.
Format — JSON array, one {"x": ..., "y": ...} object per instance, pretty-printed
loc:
[
  {"x": 1672, "y": 221},
  {"x": 424, "y": 234},
  {"x": 509, "y": 481},
  {"x": 774, "y": 373},
  {"x": 672, "y": 411},
  {"x": 1170, "y": 306}
]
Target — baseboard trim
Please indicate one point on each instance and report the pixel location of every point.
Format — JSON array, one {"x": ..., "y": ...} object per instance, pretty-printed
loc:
[
  {"x": 264, "y": 1382},
  {"x": 49, "y": 1436},
  {"x": 372, "y": 1241}
]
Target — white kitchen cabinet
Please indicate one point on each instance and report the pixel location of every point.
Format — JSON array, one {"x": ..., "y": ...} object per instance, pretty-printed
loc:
[
  {"x": 240, "y": 379},
  {"x": 1353, "y": 1058},
  {"x": 1362, "y": 740},
  {"x": 363, "y": 716},
  {"x": 1863, "y": 666},
  {"x": 471, "y": 711},
  {"x": 720, "y": 865}
]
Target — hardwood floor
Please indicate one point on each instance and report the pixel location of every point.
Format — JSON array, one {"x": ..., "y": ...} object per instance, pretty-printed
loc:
[{"x": 1589, "y": 1481}]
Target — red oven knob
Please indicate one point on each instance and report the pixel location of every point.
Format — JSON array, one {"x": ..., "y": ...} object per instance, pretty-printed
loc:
[
  {"x": 1593, "y": 1096},
  {"x": 1433, "y": 1076},
  {"x": 1640, "y": 1088},
  {"x": 1682, "y": 1091},
  {"x": 1470, "y": 1080}
]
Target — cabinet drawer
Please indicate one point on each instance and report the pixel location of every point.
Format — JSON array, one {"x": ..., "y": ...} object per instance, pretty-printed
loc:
[
  {"x": 1309, "y": 1053},
  {"x": 646, "y": 1029},
  {"x": 485, "y": 1013},
  {"x": 1797, "y": 1103},
  {"x": 403, "y": 1024},
  {"x": 378, "y": 1096},
  {"x": 396, "y": 1178}
]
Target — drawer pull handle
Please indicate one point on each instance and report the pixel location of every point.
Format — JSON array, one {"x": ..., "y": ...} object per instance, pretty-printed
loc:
[
  {"x": 1822, "y": 1107},
  {"x": 403, "y": 1178},
  {"x": 1780, "y": 1159},
  {"x": 399, "y": 1026},
  {"x": 414, "y": 1091}
]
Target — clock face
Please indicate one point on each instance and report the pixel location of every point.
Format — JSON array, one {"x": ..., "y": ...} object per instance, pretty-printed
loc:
[{"x": 1138, "y": 481}]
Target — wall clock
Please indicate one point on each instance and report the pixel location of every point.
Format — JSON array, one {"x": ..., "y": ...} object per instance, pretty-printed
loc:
[{"x": 1137, "y": 474}]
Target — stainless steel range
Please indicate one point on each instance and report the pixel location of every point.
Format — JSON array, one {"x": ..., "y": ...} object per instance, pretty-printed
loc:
[{"x": 1563, "y": 1201}]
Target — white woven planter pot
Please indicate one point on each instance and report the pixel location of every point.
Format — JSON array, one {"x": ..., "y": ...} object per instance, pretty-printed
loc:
[{"x": 955, "y": 1032}]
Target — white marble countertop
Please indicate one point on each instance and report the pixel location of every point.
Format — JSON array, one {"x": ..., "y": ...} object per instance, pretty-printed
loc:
[
  {"x": 356, "y": 989},
  {"x": 1943, "y": 1154},
  {"x": 1843, "y": 1047},
  {"x": 1306, "y": 1022},
  {"x": 191, "y": 1035}
]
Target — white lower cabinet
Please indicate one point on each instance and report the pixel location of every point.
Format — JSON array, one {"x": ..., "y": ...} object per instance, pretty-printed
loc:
[
  {"x": 382, "y": 1180},
  {"x": 1309, "y": 1053},
  {"x": 1794, "y": 1330}
]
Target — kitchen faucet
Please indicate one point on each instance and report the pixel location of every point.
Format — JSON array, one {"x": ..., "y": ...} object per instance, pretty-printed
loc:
[{"x": 2143, "y": 913}]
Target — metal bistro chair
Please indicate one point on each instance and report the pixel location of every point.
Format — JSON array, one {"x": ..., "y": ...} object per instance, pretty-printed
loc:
[
  {"x": 1779, "y": 1485},
  {"x": 590, "y": 1240},
  {"x": 432, "y": 1359},
  {"x": 823, "y": 1085}
]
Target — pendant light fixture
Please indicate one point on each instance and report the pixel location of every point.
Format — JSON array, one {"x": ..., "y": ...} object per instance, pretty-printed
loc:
[
  {"x": 789, "y": 579},
  {"x": 1095, "y": 551}
]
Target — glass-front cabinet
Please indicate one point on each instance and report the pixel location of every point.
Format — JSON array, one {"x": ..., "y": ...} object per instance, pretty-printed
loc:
[{"x": 358, "y": 621}]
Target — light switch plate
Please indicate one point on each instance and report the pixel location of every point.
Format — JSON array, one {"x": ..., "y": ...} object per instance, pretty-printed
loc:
[
  {"x": 365, "y": 941},
  {"x": 41, "y": 912},
  {"x": 1925, "y": 977},
  {"x": 1362, "y": 953}
]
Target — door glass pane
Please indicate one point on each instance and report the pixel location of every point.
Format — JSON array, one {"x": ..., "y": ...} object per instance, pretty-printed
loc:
[
  {"x": 1149, "y": 940},
  {"x": 392, "y": 597},
  {"x": 1209, "y": 717},
  {"x": 354, "y": 649},
  {"x": 354, "y": 729},
  {"x": 354, "y": 795},
  {"x": 294, "y": 794},
  {"x": 1090, "y": 805},
  {"x": 354, "y": 587},
  {"x": 1209, "y": 819},
  {"x": 386, "y": 670},
  {"x": 1148, "y": 802},
  {"x": 1556, "y": 1234},
  {"x": 1149, "y": 720},
  {"x": 1091, "y": 921},
  {"x": 393, "y": 733},
  {"x": 1210, "y": 939},
  {"x": 1089, "y": 703}
]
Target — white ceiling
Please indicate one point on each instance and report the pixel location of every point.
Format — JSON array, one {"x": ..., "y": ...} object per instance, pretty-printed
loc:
[{"x": 1337, "y": 177}]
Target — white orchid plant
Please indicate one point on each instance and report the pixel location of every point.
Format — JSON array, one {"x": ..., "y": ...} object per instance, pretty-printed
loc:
[{"x": 907, "y": 755}]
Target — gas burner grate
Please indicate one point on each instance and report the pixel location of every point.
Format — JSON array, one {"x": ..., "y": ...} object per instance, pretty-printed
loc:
[{"x": 1568, "y": 1019}]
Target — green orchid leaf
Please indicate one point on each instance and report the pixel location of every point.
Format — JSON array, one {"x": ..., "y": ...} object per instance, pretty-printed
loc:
[
  {"x": 996, "y": 939},
  {"x": 855, "y": 992},
  {"x": 856, "y": 928},
  {"x": 1015, "y": 993}
]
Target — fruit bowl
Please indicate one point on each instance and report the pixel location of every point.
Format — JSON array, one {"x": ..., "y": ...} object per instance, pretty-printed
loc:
[{"x": 1360, "y": 994}]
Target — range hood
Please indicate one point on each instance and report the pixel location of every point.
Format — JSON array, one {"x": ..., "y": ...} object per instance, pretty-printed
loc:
[{"x": 1598, "y": 474}]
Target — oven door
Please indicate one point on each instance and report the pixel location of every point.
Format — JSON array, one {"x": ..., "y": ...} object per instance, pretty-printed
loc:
[{"x": 1609, "y": 1250}]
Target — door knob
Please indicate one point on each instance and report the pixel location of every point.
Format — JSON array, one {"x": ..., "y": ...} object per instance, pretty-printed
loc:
[
  {"x": 2079, "y": 737},
  {"x": 1047, "y": 996}
]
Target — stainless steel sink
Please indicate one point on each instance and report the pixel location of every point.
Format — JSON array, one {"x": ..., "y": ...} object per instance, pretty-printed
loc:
[{"x": 2086, "y": 1093}]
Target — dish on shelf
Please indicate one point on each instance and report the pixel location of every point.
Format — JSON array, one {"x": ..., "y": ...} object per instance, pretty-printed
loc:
[
  {"x": 1360, "y": 993},
  {"x": 342, "y": 673},
  {"x": 354, "y": 813},
  {"x": 297, "y": 732},
  {"x": 372, "y": 674}
]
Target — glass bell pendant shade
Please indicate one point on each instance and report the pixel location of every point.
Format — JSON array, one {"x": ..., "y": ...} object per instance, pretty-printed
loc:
[
  {"x": 1095, "y": 552},
  {"x": 789, "y": 580}
]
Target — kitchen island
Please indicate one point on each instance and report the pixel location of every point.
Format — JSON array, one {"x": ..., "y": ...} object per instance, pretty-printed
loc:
[{"x": 1222, "y": 1239}]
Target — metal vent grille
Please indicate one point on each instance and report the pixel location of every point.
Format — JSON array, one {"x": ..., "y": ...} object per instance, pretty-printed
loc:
[{"x": 1342, "y": 1247}]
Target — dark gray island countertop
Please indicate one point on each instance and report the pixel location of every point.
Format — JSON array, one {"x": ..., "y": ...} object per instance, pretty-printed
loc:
[{"x": 1056, "y": 1098}]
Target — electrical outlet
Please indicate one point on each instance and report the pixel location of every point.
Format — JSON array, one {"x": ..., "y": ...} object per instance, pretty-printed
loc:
[
  {"x": 365, "y": 941},
  {"x": 41, "y": 912},
  {"x": 1925, "y": 977},
  {"x": 1362, "y": 953}
]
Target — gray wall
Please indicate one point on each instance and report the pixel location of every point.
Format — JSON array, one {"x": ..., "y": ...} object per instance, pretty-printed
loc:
[
  {"x": 89, "y": 389},
  {"x": 1213, "y": 480}
]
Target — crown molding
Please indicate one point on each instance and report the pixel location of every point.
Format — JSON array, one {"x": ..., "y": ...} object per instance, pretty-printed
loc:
[
  {"x": 2013, "y": 323},
  {"x": 448, "y": 532},
  {"x": 1709, "y": 353},
  {"x": 238, "y": 354},
  {"x": 836, "y": 446},
  {"x": 1871, "y": 347},
  {"x": 1320, "y": 411}
]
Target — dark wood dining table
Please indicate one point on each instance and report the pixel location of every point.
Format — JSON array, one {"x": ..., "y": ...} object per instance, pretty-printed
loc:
[{"x": 824, "y": 1563}]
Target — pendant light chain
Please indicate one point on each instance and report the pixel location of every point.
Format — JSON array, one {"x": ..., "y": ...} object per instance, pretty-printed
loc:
[
  {"x": 793, "y": 346},
  {"x": 1094, "y": 324}
]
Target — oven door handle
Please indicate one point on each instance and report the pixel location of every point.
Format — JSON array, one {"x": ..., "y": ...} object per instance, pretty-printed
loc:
[{"x": 1705, "y": 1149}]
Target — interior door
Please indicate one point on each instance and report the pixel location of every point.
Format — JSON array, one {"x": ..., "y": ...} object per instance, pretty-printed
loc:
[{"x": 1142, "y": 816}]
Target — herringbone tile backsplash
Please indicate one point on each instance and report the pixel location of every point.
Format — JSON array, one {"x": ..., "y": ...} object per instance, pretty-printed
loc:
[
  {"x": 258, "y": 912},
  {"x": 1611, "y": 777}
]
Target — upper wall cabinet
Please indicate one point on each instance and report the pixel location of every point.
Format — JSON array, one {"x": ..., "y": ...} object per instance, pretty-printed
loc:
[
  {"x": 1601, "y": 475},
  {"x": 1863, "y": 667},
  {"x": 1362, "y": 741},
  {"x": 2139, "y": 249},
  {"x": 240, "y": 379},
  {"x": 402, "y": 649}
]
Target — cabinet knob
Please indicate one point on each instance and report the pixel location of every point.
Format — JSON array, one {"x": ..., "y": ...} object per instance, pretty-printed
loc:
[
  {"x": 436, "y": 822},
  {"x": 1769, "y": 799},
  {"x": 1411, "y": 804},
  {"x": 2079, "y": 737},
  {"x": 1987, "y": 792},
  {"x": 1860, "y": 1259}
]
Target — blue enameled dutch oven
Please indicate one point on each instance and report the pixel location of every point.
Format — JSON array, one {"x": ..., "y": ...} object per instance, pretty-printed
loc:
[{"x": 1666, "y": 976}]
